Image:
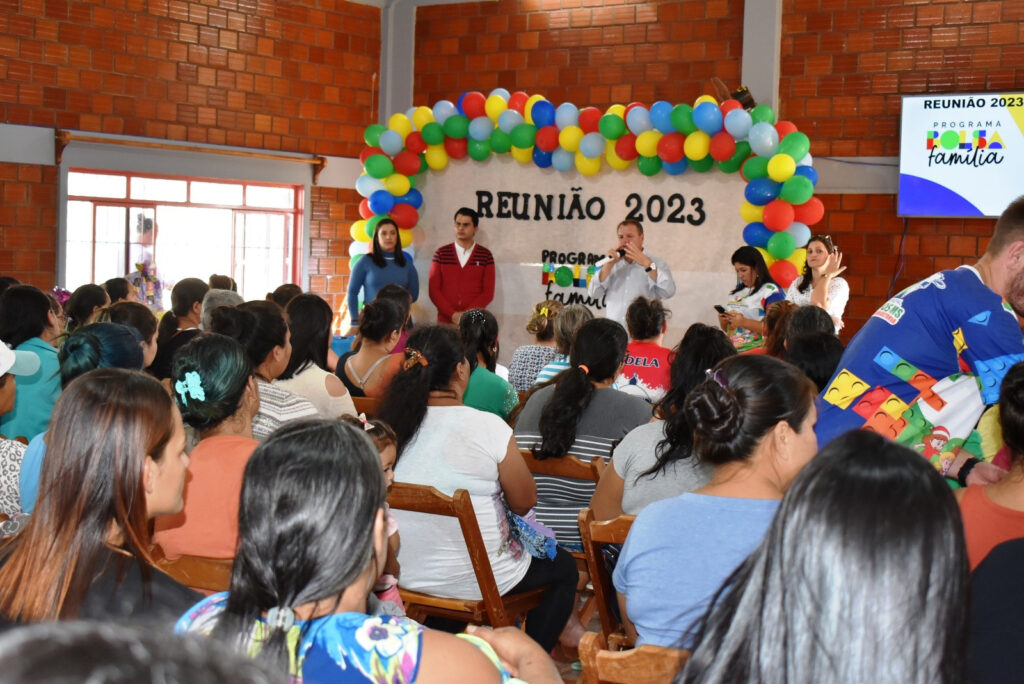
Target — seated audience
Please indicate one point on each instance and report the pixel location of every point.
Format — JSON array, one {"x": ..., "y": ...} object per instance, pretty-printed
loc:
[
  {"x": 860, "y": 578},
  {"x": 400, "y": 296},
  {"x": 262, "y": 330},
  {"x": 486, "y": 391},
  {"x": 301, "y": 607},
  {"x": 115, "y": 460},
  {"x": 28, "y": 324},
  {"x": 139, "y": 316},
  {"x": 654, "y": 461},
  {"x": 367, "y": 371},
  {"x": 753, "y": 423},
  {"x": 529, "y": 359},
  {"x": 179, "y": 325},
  {"x": 817, "y": 354},
  {"x": 447, "y": 445},
  {"x": 645, "y": 373},
  {"x": 567, "y": 324},
  {"x": 120, "y": 290},
  {"x": 775, "y": 324},
  {"x": 213, "y": 299},
  {"x": 12, "y": 364},
  {"x": 84, "y": 305},
  {"x": 580, "y": 414},
  {"x": 309, "y": 319},
  {"x": 284, "y": 294}
]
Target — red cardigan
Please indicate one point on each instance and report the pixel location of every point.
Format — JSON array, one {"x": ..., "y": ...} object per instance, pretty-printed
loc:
[{"x": 457, "y": 288}]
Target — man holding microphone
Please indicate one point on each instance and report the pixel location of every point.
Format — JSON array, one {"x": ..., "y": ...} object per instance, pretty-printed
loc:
[{"x": 628, "y": 272}]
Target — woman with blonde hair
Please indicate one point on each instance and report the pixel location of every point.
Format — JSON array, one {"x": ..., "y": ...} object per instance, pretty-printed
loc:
[{"x": 529, "y": 359}]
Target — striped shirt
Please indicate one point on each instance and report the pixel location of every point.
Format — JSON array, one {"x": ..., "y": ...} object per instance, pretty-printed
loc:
[
  {"x": 554, "y": 367},
  {"x": 277, "y": 407}
]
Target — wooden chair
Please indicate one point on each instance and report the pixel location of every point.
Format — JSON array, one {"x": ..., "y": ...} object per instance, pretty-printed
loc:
[
  {"x": 197, "y": 572},
  {"x": 367, "y": 405},
  {"x": 493, "y": 609},
  {"x": 644, "y": 665},
  {"x": 595, "y": 534}
]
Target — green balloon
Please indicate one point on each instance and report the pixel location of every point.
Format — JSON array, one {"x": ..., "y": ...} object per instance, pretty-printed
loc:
[
  {"x": 648, "y": 166},
  {"x": 611, "y": 126},
  {"x": 733, "y": 163},
  {"x": 372, "y": 134},
  {"x": 563, "y": 276},
  {"x": 412, "y": 181},
  {"x": 682, "y": 119},
  {"x": 500, "y": 142},
  {"x": 456, "y": 126},
  {"x": 797, "y": 190},
  {"x": 796, "y": 145},
  {"x": 781, "y": 245},
  {"x": 479, "y": 150},
  {"x": 523, "y": 135},
  {"x": 761, "y": 113},
  {"x": 432, "y": 133},
  {"x": 371, "y": 223},
  {"x": 379, "y": 166},
  {"x": 353, "y": 259},
  {"x": 423, "y": 163},
  {"x": 755, "y": 167},
  {"x": 701, "y": 165}
]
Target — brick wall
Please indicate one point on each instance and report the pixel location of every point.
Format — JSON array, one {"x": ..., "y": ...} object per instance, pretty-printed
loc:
[
  {"x": 333, "y": 211},
  {"x": 28, "y": 223}
]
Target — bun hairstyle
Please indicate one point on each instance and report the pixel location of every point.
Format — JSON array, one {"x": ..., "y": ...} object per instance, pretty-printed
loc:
[
  {"x": 542, "y": 321},
  {"x": 284, "y": 294},
  {"x": 258, "y": 325},
  {"x": 479, "y": 331},
  {"x": 380, "y": 318},
  {"x": 219, "y": 365},
  {"x": 81, "y": 304},
  {"x": 567, "y": 324},
  {"x": 808, "y": 275},
  {"x": 645, "y": 318},
  {"x": 99, "y": 345},
  {"x": 743, "y": 398}
]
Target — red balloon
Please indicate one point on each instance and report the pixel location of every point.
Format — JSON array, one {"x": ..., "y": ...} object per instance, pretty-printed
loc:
[
  {"x": 785, "y": 128},
  {"x": 547, "y": 138},
  {"x": 517, "y": 101},
  {"x": 590, "y": 118},
  {"x": 369, "y": 152},
  {"x": 625, "y": 147},
  {"x": 722, "y": 146},
  {"x": 473, "y": 104},
  {"x": 404, "y": 215},
  {"x": 414, "y": 143},
  {"x": 778, "y": 215},
  {"x": 670, "y": 147},
  {"x": 810, "y": 212},
  {"x": 457, "y": 148},
  {"x": 364, "y": 209},
  {"x": 729, "y": 105},
  {"x": 407, "y": 163},
  {"x": 783, "y": 273}
]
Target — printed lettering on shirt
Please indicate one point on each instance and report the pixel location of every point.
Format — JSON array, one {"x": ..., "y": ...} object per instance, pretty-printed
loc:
[{"x": 891, "y": 312}]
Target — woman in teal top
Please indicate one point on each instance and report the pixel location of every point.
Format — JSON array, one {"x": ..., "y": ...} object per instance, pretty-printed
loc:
[
  {"x": 27, "y": 324},
  {"x": 486, "y": 391}
]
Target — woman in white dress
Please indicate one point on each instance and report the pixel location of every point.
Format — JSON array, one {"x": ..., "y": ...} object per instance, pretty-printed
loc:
[{"x": 821, "y": 284}]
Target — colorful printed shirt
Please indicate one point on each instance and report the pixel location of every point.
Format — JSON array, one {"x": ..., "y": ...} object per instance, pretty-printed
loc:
[
  {"x": 752, "y": 304},
  {"x": 645, "y": 372},
  {"x": 922, "y": 369},
  {"x": 343, "y": 647}
]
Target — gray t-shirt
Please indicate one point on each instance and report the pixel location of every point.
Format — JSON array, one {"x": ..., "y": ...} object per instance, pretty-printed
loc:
[{"x": 637, "y": 453}]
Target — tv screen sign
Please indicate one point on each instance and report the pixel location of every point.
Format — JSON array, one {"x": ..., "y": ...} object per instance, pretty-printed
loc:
[{"x": 961, "y": 155}]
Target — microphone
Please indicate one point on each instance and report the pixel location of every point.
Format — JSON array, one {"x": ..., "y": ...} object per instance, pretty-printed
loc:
[{"x": 601, "y": 262}]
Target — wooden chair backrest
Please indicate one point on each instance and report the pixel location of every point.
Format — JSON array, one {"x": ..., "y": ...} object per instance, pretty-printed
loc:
[
  {"x": 643, "y": 665},
  {"x": 423, "y": 499},
  {"x": 197, "y": 572},
  {"x": 566, "y": 466},
  {"x": 367, "y": 405},
  {"x": 595, "y": 534}
]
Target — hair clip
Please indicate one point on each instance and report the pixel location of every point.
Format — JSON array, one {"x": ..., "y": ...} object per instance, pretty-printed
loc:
[
  {"x": 281, "y": 617},
  {"x": 544, "y": 311},
  {"x": 367, "y": 426},
  {"x": 413, "y": 357},
  {"x": 716, "y": 375},
  {"x": 191, "y": 387}
]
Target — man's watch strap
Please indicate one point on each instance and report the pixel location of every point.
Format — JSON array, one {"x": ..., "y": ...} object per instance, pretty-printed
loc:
[{"x": 651, "y": 267}]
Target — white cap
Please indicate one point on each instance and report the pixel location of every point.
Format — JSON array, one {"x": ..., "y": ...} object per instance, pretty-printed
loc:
[{"x": 17, "y": 362}]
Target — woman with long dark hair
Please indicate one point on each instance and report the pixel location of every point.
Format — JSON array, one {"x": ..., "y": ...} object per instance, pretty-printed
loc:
[
  {"x": 179, "y": 325},
  {"x": 139, "y": 316},
  {"x": 486, "y": 390},
  {"x": 384, "y": 263},
  {"x": 754, "y": 293},
  {"x": 820, "y": 284},
  {"x": 582, "y": 415},
  {"x": 84, "y": 305},
  {"x": 655, "y": 460},
  {"x": 861, "y": 577},
  {"x": 28, "y": 324}
]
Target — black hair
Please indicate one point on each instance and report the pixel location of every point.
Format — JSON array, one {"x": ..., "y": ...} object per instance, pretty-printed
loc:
[
  {"x": 258, "y": 325},
  {"x": 380, "y": 318},
  {"x": 645, "y": 318},
  {"x": 600, "y": 346},
  {"x": 749, "y": 256},
  {"x": 284, "y": 294},
  {"x": 309, "y": 319},
  {"x": 7, "y": 281},
  {"x": 542, "y": 320},
  {"x": 399, "y": 295},
  {"x": 862, "y": 577},
  {"x": 166, "y": 328},
  {"x": 117, "y": 288},
  {"x": 24, "y": 314},
  {"x": 404, "y": 404},
  {"x": 808, "y": 274},
  {"x": 377, "y": 252},
  {"x": 701, "y": 348},
  {"x": 133, "y": 314},
  {"x": 470, "y": 213},
  {"x": 99, "y": 345},
  {"x": 1011, "y": 410},
  {"x": 186, "y": 293},
  {"x": 479, "y": 331},
  {"x": 310, "y": 497},
  {"x": 82, "y": 303},
  {"x": 807, "y": 319},
  {"x": 817, "y": 354},
  {"x": 743, "y": 399},
  {"x": 567, "y": 325},
  {"x": 222, "y": 368}
]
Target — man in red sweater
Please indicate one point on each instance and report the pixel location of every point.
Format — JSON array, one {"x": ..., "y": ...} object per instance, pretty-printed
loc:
[{"x": 462, "y": 272}]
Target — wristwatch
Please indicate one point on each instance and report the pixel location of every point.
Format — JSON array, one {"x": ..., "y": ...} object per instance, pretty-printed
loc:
[{"x": 650, "y": 268}]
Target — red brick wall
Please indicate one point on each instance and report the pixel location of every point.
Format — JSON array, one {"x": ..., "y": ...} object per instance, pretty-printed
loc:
[
  {"x": 333, "y": 211},
  {"x": 28, "y": 223}
]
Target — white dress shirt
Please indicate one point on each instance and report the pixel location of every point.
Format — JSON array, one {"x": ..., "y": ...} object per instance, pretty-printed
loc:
[{"x": 626, "y": 282}]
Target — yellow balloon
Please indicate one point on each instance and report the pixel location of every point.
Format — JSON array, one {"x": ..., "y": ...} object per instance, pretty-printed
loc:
[
  {"x": 751, "y": 213},
  {"x": 647, "y": 143},
  {"x": 614, "y": 160},
  {"x": 705, "y": 98},
  {"x": 768, "y": 258},
  {"x": 437, "y": 157},
  {"x": 528, "y": 108},
  {"x": 358, "y": 231},
  {"x": 422, "y": 116},
  {"x": 397, "y": 184},
  {"x": 586, "y": 166},
  {"x": 569, "y": 138},
  {"x": 617, "y": 109},
  {"x": 781, "y": 168},
  {"x": 400, "y": 123},
  {"x": 522, "y": 154},
  {"x": 798, "y": 258},
  {"x": 405, "y": 235},
  {"x": 494, "y": 106},
  {"x": 697, "y": 145}
]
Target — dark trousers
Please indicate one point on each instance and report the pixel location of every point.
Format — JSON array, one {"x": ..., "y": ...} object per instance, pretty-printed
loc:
[{"x": 545, "y": 622}]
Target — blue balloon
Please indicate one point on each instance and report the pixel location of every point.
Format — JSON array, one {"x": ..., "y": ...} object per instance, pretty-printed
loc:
[
  {"x": 708, "y": 117},
  {"x": 738, "y": 123},
  {"x": 509, "y": 119},
  {"x": 761, "y": 191},
  {"x": 381, "y": 202},
  {"x": 638, "y": 120},
  {"x": 541, "y": 158},
  {"x": 661, "y": 117},
  {"x": 807, "y": 172},
  {"x": 543, "y": 113},
  {"x": 674, "y": 168},
  {"x": 764, "y": 139},
  {"x": 391, "y": 142},
  {"x": 504, "y": 94},
  {"x": 562, "y": 159},
  {"x": 479, "y": 128},
  {"x": 442, "y": 110},
  {"x": 458, "y": 103},
  {"x": 592, "y": 145},
  {"x": 414, "y": 198},
  {"x": 757, "y": 234},
  {"x": 800, "y": 232},
  {"x": 567, "y": 114},
  {"x": 366, "y": 185}
]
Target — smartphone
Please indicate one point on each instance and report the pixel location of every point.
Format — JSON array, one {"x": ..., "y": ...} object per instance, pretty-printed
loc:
[{"x": 719, "y": 308}]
